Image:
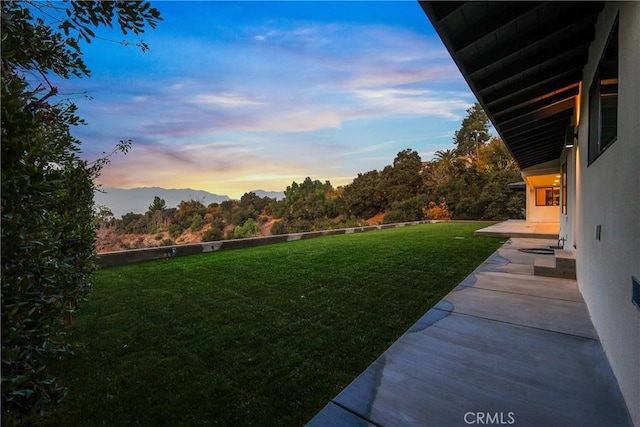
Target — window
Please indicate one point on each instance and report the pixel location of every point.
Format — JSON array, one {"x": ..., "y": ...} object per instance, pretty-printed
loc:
[
  {"x": 603, "y": 99},
  {"x": 547, "y": 196}
]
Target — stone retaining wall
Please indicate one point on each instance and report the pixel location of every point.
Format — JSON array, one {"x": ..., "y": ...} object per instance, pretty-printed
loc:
[{"x": 109, "y": 259}]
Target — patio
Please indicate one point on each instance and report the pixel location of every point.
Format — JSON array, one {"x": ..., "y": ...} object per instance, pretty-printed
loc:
[
  {"x": 504, "y": 347},
  {"x": 522, "y": 228}
]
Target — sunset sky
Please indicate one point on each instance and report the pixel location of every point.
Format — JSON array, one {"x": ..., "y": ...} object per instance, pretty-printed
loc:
[{"x": 240, "y": 96}]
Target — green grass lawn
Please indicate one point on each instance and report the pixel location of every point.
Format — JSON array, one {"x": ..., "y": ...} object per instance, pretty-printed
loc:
[{"x": 257, "y": 336}]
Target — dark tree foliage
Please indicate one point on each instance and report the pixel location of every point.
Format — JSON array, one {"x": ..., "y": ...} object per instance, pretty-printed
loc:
[
  {"x": 48, "y": 227},
  {"x": 406, "y": 210},
  {"x": 252, "y": 202},
  {"x": 364, "y": 197},
  {"x": 187, "y": 210},
  {"x": 215, "y": 232},
  {"x": 473, "y": 132},
  {"x": 279, "y": 227},
  {"x": 132, "y": 223},
  {"x": 158, "y": 205},
  {"x": 310, "y": 205},
  {"x": 227, "y": 208},
  {"x": 374, "y": 192},
  {"x": 469, "y": 189},
  {"x": 498, "y": 202},
  {"x": 310, "y": 200},
  {"x": 404, "y": 176}
]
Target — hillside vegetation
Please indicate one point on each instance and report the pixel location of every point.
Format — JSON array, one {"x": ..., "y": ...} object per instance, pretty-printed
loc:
[{"x": 469, "y": 181}]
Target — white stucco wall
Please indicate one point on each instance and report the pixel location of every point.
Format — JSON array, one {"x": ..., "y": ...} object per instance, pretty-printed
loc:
[
  {"x": 566, "y": 220},
  {"x": 541, "y": 176},
  {"x": 608, "y": 193},
  {"x": 540, "y": 213}
]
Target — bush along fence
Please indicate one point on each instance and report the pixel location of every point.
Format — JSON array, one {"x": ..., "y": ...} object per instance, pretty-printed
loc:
[{"x": 110, "y": 259}]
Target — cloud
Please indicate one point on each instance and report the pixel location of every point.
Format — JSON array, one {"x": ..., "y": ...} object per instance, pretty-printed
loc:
[
  {"x": 300, "y": 36},
  {"x": 300, "y": 78},
  {"x": 226, "y": 99},
  {"x": 392, "y": 101},
  {"x": 273, "y": 102}
]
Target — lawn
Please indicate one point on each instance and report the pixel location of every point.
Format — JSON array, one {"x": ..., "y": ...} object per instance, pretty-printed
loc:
[{"x": 257, "y": 336}]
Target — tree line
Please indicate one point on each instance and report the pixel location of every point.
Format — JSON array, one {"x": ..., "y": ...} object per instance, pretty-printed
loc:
[{"x": 469, "y": 181}]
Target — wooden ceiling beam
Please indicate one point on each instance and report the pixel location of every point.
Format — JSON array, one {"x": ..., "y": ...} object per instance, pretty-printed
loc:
[
  {"x": 539, "y": 89},
  {"x": 577, "y": 21},
  {"x": 567, "y": 92}
]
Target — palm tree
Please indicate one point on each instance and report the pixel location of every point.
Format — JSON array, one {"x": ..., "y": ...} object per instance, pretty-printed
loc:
[{"x": 445, "y": 158}]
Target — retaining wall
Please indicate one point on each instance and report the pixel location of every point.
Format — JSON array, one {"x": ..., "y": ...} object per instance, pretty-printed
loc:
[{"x": 109, "y": 259}]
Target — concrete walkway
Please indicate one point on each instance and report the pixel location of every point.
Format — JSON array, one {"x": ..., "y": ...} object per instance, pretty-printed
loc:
[
  {"x": 503, "y": 348},
  {"x": 521, "y": 228}
]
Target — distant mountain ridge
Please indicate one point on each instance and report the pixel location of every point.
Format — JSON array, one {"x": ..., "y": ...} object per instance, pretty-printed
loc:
[
  {"x": 272, "y": 194},
  {"x": 137, "y": 200}
]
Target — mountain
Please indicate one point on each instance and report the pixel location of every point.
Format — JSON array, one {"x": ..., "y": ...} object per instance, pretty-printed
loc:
[
  {"x": 272, "y": 194},
  {"x": 137, "y": 200}
]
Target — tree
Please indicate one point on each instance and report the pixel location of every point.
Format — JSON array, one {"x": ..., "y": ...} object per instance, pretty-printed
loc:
[
  {"x": 227, "y": 209},
  {"x": 253, "y": 202},
  {"x": 363, "y": 198},
  {"x": 187, "y": 209},
  {"x": 405, "y": 210},
  {"x": 496, "y": 157},
  {"x": 310, "y": 200},
  {"x": 404, "y": 176},
  {"x": 155, "y": 216},
  {"x": 103, "y": 215},
  {"x": 447, "y": 157},
  {"x": 158, "y": 205},
  {"x": 498, "y": 200},
  {"x": 48, "y": 226},
  {"x": 444, "y": 164},
  {"x": 473, "y": 132}
]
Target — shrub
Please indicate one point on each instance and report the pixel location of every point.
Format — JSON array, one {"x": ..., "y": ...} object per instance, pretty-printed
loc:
[
  {"x": 437, "y": 212},
  {"x": 212, "y": 235},
  {"x": 279, "y": 227},
  {"x": 196, "y": 223},
  {"x": 299, "y": 226},
  {"x": 405, "y": 210},
  {"x": 175, "y": 230},
  {"x": 248, "y": 229},
  {"x": 350, "y": 222}
]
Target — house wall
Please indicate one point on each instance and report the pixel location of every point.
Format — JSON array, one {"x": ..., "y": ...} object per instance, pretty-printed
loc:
[
  {"x": 543, "y": 175},
  {"x": 608, "y": 194},
  {"x": 540, "y": 213},
  {"x": 566, "y": 220}
]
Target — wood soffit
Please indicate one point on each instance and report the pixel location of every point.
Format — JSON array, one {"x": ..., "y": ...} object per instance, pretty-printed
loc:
[{"x": 524, "y": 62}]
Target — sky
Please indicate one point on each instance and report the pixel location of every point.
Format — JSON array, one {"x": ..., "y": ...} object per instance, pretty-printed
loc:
[{"x": 241, "y": 96}]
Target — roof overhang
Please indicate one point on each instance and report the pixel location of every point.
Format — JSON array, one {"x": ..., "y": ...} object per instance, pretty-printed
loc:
[{"x": 524, "y": 62}]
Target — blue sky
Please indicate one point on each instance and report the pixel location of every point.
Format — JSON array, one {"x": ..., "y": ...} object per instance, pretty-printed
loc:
[{"x": 240, "y": 96}]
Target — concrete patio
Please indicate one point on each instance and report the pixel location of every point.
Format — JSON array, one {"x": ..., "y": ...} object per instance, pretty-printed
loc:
[
  {"x": 522, "y": 228},
  {"x": 504, "y": 347}
]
